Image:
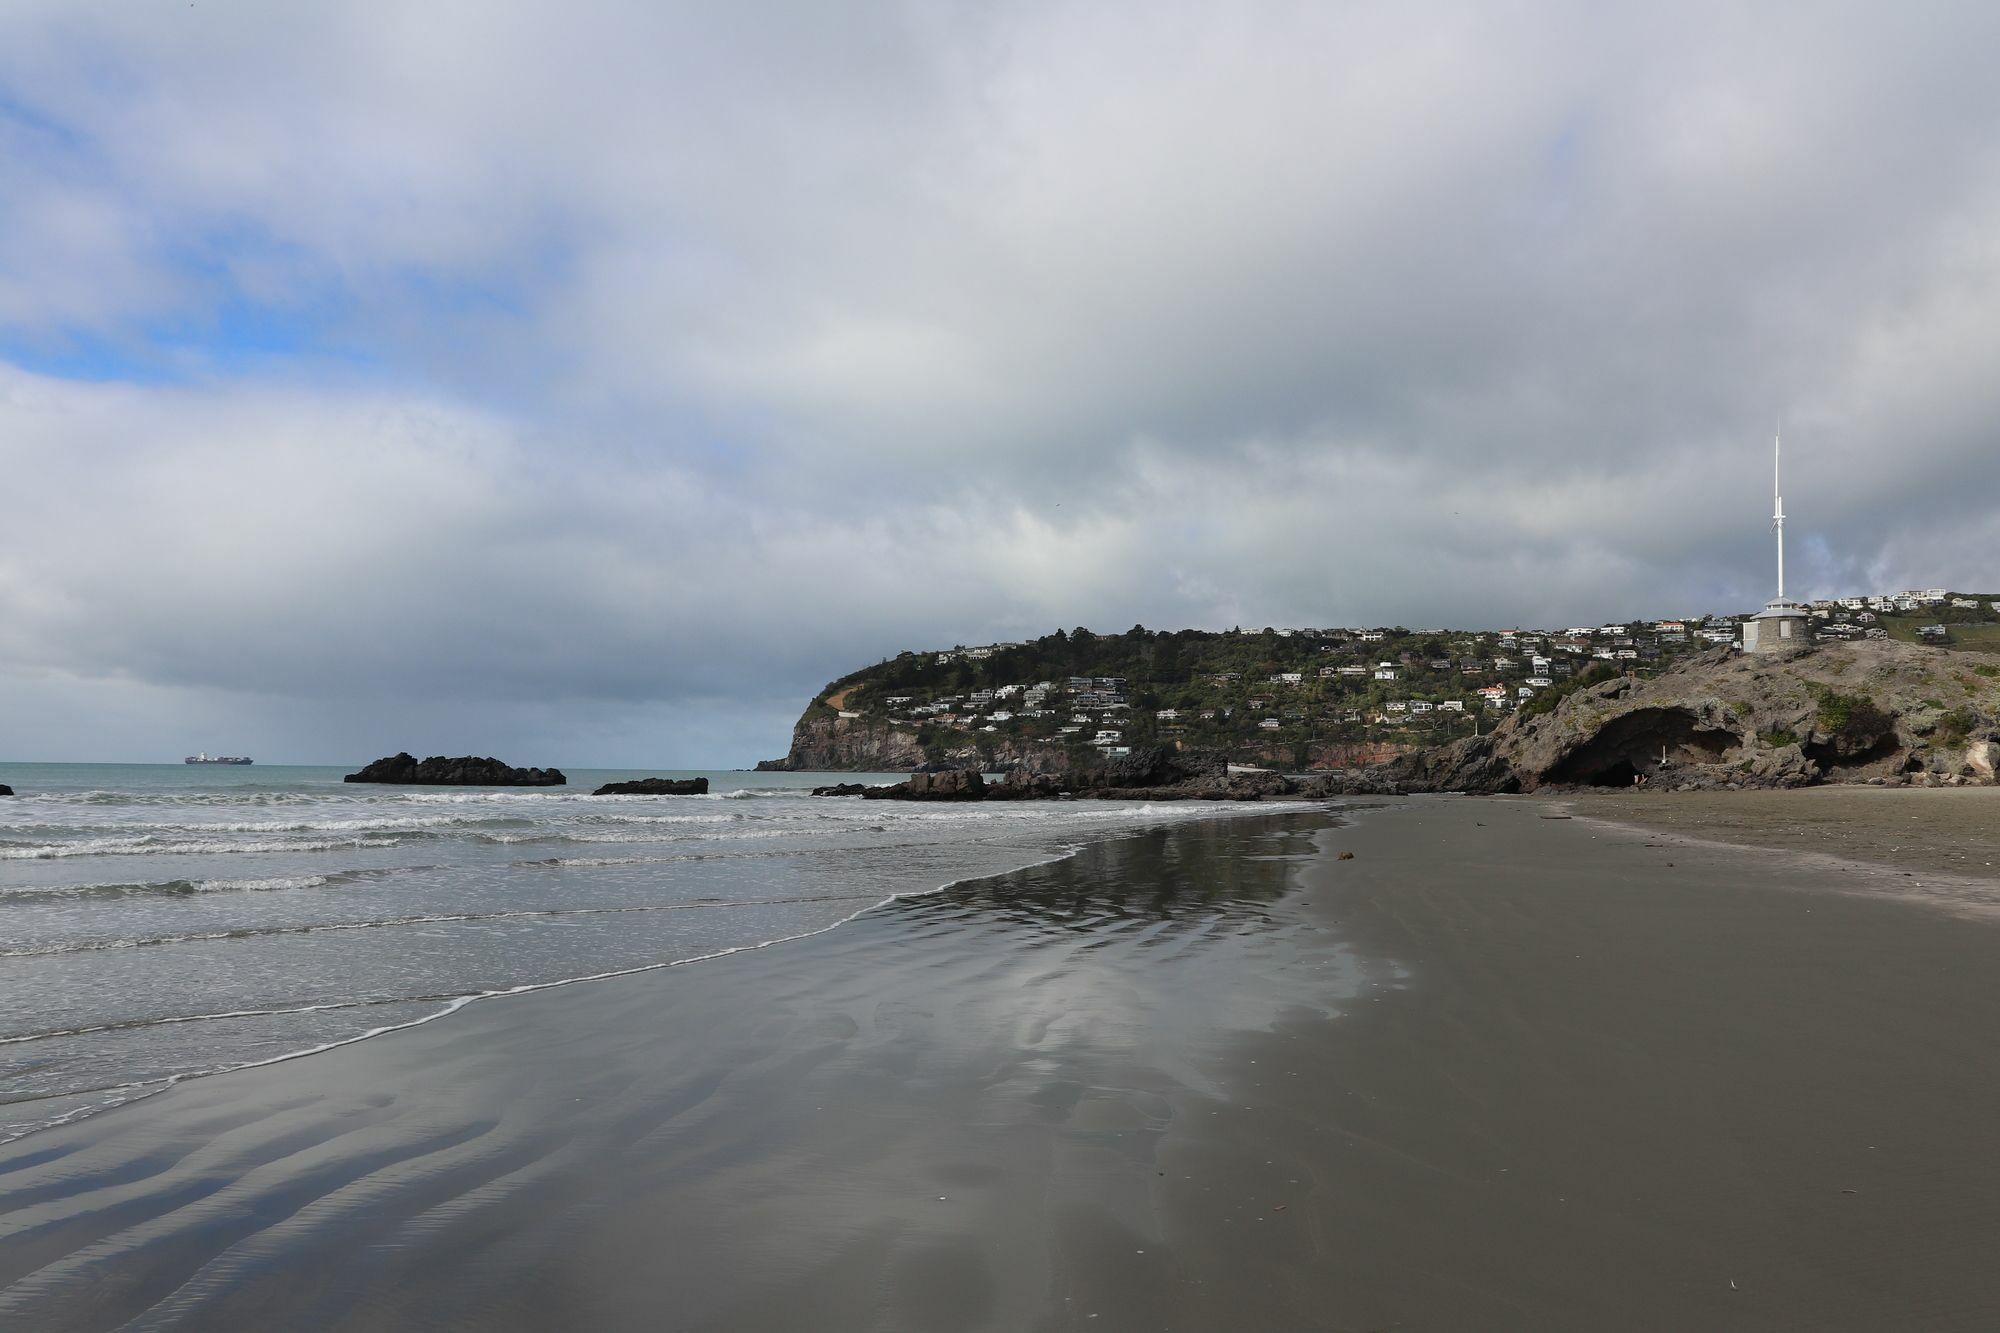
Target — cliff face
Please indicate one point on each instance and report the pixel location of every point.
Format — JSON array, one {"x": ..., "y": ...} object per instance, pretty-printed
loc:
[
  {"x": 1879, "y": 712},
  {"x": 825, "y": 743}
]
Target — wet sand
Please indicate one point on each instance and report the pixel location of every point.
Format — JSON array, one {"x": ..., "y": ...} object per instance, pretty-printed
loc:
[{"x": 1498, "y": 1071}]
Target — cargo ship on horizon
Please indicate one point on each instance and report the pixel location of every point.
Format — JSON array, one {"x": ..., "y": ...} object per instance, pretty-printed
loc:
[{"x": 206, "y": 758}]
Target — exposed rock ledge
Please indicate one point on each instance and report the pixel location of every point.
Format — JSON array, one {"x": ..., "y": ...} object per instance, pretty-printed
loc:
[
  {"x": 1882, "y": 713},
  {"x": 1145, "y": 775},
  {"x": 464, "y": 771},
  {"x": 6, "y": 790},
  {"x": 655, "y": 787}
]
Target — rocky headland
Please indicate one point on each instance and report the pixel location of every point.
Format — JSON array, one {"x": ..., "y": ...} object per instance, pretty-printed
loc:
[
  {"x": 464, "y": 771},
  {"x": 1883, "y": 713}
]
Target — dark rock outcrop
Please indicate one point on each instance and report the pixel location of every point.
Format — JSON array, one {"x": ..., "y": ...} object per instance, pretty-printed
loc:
[
  {"x": 1115, "y": 780},
  {"x": 1021, "y": 785},
  {"x": 655, "y": 787},
  {"x": 1210, "y": 784},
  {"x": 6, "y": 790},
  {"x": 958, "y": 784},
  {"x": 1469, "y": 765},
  {"x": 464, "y": 771},
  {"x": 1145, "y": 766}
]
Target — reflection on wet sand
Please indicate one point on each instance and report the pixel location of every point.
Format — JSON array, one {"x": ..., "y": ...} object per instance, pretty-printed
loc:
[{"x": 923, "y": 1119}]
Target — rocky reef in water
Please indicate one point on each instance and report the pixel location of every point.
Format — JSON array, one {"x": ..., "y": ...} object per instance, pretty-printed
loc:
[
  {"x": 1876, "y": 712},
  {"x": 464, "y": 771},
  {"x": 655, "y": 787},
  {"x": 1147, "y": 774}
]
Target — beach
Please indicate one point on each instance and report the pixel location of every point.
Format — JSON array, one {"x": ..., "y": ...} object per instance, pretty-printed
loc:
[
  {"x": 1499, "y": 1070},
  {"x": 1938, "y": 845}
]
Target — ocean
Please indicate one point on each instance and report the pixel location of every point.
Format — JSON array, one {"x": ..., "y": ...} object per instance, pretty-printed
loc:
[{"x": 159, "y": 922}]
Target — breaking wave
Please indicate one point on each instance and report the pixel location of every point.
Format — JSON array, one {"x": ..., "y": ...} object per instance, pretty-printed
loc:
[{"x": 155, "y": 846}]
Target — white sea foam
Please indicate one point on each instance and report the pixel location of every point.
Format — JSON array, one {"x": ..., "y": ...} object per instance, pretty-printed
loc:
[
  {"x": 151, "y": 846},
  {"x": 378, "y": 824}
]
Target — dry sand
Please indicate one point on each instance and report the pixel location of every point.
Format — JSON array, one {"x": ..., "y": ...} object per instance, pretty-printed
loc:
[
  {"x": 1496, "y": 1072},
  {"x": 1935, "y": 844}
]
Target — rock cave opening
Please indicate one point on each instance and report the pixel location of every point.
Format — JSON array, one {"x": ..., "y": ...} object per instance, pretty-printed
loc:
[
  {"x": 1828, "y": 755},
  {"x": 1635, "y": 743}
]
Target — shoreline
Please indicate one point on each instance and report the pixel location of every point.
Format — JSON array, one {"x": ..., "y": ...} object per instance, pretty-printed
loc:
[
  {"x": 320, "y": 1023},
  {"x": 1494, "y": 1072},
  {"x": 1935, "y": 847},
  {"x": 570, "y": 1086}
]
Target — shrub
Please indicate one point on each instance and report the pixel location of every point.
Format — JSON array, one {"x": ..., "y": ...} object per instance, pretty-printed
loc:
[
  {"x": 1851, "y": 717},
  {"x": 1778, "y": 739},
  {"x": 1956, "y": 725}
]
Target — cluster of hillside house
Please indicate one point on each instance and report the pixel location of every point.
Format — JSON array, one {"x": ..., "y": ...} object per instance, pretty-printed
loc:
[
  {"x": 1858, "y": 617},
  {"x": 1378, "y": 676},
  {"x": 1093, "y": 704}
]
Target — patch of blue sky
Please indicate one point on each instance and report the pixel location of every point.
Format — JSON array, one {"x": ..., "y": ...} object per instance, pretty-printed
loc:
[
  {"x": 231, "y": 336},
  {"x": 43, "y": 130},
  {"x": 216, "y": 326},
  {"x": 83, "y": 354},
  {"x": 222, "y": 330},
  {"x": 250, "y": 305}
]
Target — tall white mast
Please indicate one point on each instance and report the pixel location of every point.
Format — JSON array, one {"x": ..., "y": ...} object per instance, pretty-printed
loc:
[{"x": 1778, "y": 510}]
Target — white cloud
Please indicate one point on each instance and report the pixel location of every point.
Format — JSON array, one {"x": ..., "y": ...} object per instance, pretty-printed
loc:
[{"x": 639, "y": 355}]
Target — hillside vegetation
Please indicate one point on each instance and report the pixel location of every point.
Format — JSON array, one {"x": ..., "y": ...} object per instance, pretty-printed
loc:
[{"x": 1307, "y": 698}]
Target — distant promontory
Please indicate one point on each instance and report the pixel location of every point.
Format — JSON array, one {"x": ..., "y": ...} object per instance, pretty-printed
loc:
[
  {"x": 464, "y": 771},
  {"x": 1890, "y": 691}
]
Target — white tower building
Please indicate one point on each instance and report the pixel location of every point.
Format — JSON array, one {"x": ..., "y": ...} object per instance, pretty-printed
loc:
[{"x": 1782, "y": 623}]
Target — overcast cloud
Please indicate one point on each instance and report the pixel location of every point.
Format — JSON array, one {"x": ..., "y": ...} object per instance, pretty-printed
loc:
[{"x": 590, "y": 383}]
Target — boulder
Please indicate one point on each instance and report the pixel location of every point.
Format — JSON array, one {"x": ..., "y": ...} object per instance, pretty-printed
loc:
[
  {"x": 842, "y": 789},
  {"x": 6, "y": 790},
  {"x": 1785, "y": 766},
  {"x": 958, "y": 784},
  {"x": 655, "y": 787},
  {"x": 1982, "y": 758},
  {"x": 464, "y": 771}
]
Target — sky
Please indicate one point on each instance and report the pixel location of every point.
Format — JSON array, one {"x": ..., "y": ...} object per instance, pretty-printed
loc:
[{"x": 591, "y": 383}]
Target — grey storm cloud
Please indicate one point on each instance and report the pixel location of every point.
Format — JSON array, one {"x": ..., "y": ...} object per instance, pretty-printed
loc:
[{"x": 622, "y": 373}]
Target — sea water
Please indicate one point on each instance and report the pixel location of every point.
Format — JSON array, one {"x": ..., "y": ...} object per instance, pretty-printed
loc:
[{"x": 160, "y": 922}]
